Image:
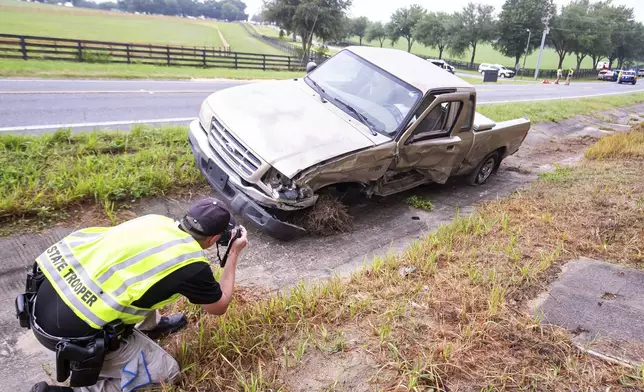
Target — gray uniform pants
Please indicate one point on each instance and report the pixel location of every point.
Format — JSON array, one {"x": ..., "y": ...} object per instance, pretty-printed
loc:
[{"x": 138, "y": 347}]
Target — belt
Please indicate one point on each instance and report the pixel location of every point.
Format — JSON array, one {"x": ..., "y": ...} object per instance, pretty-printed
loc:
[
  {"x": 112, "y": 334},
  {"x": 50, "y": 341},
  {"x": 78, "y": 358}
]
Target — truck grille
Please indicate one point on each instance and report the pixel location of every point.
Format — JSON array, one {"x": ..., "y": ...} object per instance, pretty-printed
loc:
[{"x": 240, "y": 156}]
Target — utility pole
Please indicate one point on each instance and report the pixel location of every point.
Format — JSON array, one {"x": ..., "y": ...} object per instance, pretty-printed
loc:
[
  {"x": 527, "y": 46},
  {"x": 546, "y": 30}
]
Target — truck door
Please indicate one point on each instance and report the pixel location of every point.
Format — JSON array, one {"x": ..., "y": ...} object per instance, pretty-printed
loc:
[{"x": 437, "y": 141}]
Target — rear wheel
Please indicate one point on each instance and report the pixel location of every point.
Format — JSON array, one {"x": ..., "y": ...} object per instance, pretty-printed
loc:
[
  {"x": 634, "y": 81},
  {"x": 484, "y": 170},
  {"x": 502, "y": 75}
]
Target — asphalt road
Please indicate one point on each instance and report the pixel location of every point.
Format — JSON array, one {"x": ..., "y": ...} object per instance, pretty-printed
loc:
[{"x": 37, "y": 105}]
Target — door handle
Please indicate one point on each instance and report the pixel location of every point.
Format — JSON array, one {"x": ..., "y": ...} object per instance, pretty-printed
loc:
[{"x": 450, "y": 148}]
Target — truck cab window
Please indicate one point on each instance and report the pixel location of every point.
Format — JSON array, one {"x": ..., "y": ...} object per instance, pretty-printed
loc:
[{"x": 438, "y": 122}]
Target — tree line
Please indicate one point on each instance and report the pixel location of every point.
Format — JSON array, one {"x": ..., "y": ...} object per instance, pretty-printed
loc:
[
  {"x": 232, "y": 10},
  {"x": 598, "y": 30}
]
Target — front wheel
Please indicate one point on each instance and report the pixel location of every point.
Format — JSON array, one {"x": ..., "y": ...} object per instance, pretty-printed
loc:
[
  {"x": 484, "y": 170},
  {"x": 634, "y": 81},
  {"x": 502, "y": 75}
]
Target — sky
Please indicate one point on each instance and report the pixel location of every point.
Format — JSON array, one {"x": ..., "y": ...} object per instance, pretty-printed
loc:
[{"x": 382, "y": 9}]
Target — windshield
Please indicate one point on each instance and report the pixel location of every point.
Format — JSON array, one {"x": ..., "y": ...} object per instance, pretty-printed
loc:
[
  {"x": 382, "y": 99},
  {"x": 631, "y": 73}
]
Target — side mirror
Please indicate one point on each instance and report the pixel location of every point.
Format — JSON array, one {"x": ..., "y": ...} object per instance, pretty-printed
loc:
[{"x": 311, "y": 66}]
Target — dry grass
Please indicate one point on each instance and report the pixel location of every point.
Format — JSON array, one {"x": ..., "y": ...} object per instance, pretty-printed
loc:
[
  {"x": 629, "y": 145},
  {"x": 328, "y": 216},
  {"x": 459, "y": 321}
]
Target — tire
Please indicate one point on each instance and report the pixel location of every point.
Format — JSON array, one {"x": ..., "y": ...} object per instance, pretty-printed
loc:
[
  {"x": 502, "y": 76},
  {"x": 619, "y": 82},
  {"x": 485, "y": 169},
  {"x": 634, "y": 81}
]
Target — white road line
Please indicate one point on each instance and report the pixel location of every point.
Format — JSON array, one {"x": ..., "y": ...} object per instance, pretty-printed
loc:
[
  {"x": 94, "y": 124},
  {"x": 559, "y": 98}
]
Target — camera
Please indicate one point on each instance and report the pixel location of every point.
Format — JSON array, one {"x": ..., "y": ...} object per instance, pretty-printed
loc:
[{"x": 229, "y": 236}]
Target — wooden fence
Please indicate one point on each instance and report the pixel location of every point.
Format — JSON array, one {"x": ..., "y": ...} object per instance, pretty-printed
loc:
[{"x": 62, "y": 49}]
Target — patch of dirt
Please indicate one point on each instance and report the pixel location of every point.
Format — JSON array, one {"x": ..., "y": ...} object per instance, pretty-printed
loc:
[
  {"x": 519, "y": 170},
  {"x": 250, "y": 294},
  {"x": 352, "y": 370}
]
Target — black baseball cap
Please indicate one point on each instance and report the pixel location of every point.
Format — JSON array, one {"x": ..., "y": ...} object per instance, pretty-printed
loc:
[{"x": 208, "y": 217}]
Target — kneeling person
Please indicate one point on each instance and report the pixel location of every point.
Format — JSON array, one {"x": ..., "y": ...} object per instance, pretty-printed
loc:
[{"x": 96, "y": 284}]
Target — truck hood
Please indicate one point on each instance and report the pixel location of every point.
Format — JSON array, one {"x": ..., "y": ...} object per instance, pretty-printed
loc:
[{"x": 285, "y": 124}]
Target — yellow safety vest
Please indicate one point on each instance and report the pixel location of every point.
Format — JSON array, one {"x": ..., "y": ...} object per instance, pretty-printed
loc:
[{"x": 100, "y": 271}]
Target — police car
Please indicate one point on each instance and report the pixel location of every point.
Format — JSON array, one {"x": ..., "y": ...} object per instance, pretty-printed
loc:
[{"x": 627, "y": 77}]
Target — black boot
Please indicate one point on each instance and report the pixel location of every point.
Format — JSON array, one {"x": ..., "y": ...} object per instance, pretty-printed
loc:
[
  {"x": 167, "y": 326},
  {"x": 43, "y": 387}
]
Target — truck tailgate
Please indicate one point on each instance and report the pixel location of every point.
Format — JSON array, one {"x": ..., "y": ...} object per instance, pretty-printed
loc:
[{"x": 506, "y": 135}]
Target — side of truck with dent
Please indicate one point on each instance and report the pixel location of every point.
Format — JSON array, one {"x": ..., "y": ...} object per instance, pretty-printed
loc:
[{"x": 380, "y": 120}]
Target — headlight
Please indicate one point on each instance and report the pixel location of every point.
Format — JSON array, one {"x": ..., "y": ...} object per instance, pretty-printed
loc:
[
  {"x": 284, "y": 188},
  {"x": 205, "y": 114}
]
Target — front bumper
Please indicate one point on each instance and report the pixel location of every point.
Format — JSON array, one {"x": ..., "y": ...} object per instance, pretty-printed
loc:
[{"x": 230, "y": 188}]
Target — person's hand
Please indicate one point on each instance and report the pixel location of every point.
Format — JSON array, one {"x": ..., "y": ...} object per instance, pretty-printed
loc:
[{"x": 240, "y": 243}]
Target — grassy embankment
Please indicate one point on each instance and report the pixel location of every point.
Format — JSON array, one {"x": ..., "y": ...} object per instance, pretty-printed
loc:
[
  {"x": 63, "y": 69},
  {"x": 458, "y": 317},
  {"x": 62, "y": 22},
  {"x": 46, "y": 175},
  {"x": 82, "y": 23}
]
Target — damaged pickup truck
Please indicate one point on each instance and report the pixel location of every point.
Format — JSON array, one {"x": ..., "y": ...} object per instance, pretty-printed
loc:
[{"x": 380, "y": 120}]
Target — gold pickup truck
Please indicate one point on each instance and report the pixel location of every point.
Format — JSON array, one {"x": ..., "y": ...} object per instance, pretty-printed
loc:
[{"x": 380, "y": 120}]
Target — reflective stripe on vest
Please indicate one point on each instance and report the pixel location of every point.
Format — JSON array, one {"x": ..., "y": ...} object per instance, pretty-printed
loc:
[{"x": 100, "y": 272}]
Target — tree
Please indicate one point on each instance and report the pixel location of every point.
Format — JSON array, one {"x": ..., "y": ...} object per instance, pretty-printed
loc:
[
  {"x": 582, "y": 28},
  {"x": 561, "y": 36},
  {"x": 403, "y": 22},
  {"x": 474, "y": 24},
  {"x": 233, "y": 10},
  {"x": 389, "y": 29},
  {"x": 258, "y": 18},
  {"x": 307, "y": 18},
  {"x": 596, "y": 45},
  {"x": 630, "y": 48},
  {"x": 108, "y": 5},
  {"x": 617, "y": 22},
  {"x": 341, "y": 30},
  {"x": 515, "y": 19},
  {"x": 435, "y": 30},
  {"x": 224, "y": 9},
  {"x": 377, "y": 31},
  {"x": 626, "y": 35},
  {"x": 359, "y": 27}
]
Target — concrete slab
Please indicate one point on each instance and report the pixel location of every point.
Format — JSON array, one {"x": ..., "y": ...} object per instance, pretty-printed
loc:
[{"x": 601, "y": 305}]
